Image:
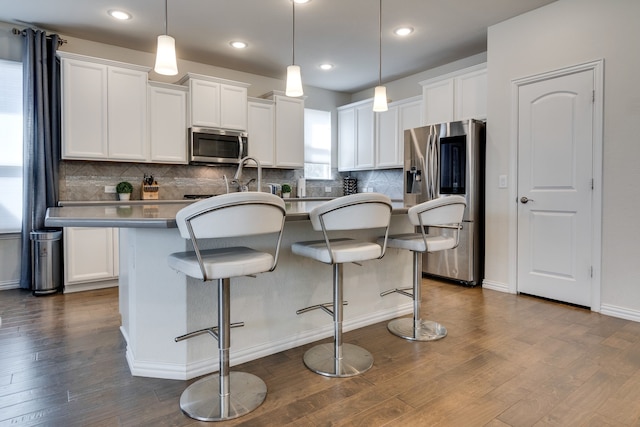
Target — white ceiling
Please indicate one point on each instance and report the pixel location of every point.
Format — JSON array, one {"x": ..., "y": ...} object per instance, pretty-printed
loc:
[{"x": 342, "y": 32}]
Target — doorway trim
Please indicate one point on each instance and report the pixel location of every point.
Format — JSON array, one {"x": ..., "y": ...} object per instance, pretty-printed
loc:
[{"x": 597, "y": 67}]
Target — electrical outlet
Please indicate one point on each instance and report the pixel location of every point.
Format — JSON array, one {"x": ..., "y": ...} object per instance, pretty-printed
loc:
[
  {"x": 327, "y": 189},
  {"x": 109, "y": 188}
]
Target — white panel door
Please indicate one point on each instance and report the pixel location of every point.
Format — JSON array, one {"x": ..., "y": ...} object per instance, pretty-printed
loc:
[{"x": 555, "y": 143}]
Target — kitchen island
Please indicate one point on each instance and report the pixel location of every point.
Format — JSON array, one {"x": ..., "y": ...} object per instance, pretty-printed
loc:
[{"x": 158, "y": 304}]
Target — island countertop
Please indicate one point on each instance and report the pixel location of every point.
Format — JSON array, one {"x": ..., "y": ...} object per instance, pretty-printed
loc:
[{"x": 153, "y": 214}]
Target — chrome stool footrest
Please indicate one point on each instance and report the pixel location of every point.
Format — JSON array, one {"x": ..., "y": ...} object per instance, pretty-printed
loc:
[
  {"x": 202, "y": 400},
  {"x": 402, "y": 291},
  {"x": 213, "y": 331},
  {"x": 324, "y": 307},
  {"x": 422, "y": 330},
  {"x": 321, "y": 360}
]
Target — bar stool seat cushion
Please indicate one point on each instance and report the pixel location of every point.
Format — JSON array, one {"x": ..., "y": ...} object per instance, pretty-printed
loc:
[
  {"x": 415, "y": 242},
  {"x": 222, "y": 263},
  {"x": 344, "y": 250}
]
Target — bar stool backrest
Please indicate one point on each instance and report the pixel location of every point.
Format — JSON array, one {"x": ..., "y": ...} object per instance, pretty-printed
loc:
[
  {"x": 232, "y": 215},
  {"x": 447, "y": 210},
  {"x": 353, "y": 212}
]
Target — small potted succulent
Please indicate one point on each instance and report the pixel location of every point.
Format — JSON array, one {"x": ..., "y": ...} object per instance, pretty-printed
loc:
[
  {"x": 286, "y": 191},
  {"x": 124, "y": 190}
]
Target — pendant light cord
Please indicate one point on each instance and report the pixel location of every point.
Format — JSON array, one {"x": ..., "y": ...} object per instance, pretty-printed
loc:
[
  {"x": 166, "y": 18},
  {"x": 380, "y": 45},
  {"x": 293, "y": 35}
]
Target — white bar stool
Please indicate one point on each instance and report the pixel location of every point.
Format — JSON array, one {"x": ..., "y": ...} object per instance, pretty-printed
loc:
[
  {"x": 444, "y": 213},
  {"x": 353, "y": 212},
  {"x": 226, "y": 395}
]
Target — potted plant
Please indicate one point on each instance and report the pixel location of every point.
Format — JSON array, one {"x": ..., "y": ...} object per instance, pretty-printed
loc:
[
  {"x": 286, "y": 191},
  {"x": 124, "y": 190}
]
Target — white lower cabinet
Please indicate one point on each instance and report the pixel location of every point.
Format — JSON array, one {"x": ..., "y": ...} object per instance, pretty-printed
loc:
[{"x": 90, "y": 258}]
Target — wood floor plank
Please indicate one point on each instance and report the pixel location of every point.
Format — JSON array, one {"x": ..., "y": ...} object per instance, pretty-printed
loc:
[{"x": 508, "y": 360}]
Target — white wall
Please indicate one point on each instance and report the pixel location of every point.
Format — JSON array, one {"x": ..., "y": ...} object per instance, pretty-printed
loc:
[{"x": 561, "y": 34}]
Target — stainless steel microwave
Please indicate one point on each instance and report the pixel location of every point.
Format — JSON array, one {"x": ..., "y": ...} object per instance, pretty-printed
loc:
[{"x": 212, "y": 146}]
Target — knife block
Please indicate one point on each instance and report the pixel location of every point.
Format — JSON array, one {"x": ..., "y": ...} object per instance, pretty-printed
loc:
[{"x": 150, "y": 192}]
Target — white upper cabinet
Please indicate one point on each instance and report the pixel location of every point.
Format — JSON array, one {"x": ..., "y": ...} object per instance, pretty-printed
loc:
[
  {"x": 390, "y": 127},
  {"x": 215, "y": 102},
  {"x": 261, "y": 131},
  {"x": 456, "y": 96},
  {"x": 127, "y": 114},
  {"x": 356, "y": 136},
  {"x": 104, "y": 109},
  {"x": 346, "y": 139},
  {"x": 167, "y": 123},
  {"x": 289, "y": 131}
]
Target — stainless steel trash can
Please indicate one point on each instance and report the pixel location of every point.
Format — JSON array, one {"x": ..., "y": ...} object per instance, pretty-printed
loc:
[{"x": 45, "y": 261}]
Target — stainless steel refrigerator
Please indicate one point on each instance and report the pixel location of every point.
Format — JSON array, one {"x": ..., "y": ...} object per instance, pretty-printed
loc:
[{"x": 446, "y": 159}]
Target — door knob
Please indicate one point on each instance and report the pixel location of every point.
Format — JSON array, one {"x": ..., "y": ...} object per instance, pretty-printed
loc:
[{"x": 525, "y": 199}]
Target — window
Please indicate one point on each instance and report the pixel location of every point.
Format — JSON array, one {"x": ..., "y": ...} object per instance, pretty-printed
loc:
[
  {"x": 317, "y": 144},
  {"x": 10, "y": 146}
]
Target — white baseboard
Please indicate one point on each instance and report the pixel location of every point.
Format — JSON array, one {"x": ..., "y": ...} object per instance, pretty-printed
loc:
[
  {"x": 206, "y": 366},
  {"x": 9, "y": 284},
  {"x": 620, "y": 312},
  {"x": 69, "y": 289},
  {"x": 495, "y": 286}
]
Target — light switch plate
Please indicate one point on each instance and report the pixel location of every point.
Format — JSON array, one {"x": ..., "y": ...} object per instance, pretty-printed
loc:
[
  {"x": 502, "y": 181},
  {"x": 109, "y": 188}
]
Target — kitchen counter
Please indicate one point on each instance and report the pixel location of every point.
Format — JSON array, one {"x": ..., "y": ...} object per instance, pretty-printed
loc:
[
  {"x": 158, "y": 304},
  {"x": 152, "y": 214}
]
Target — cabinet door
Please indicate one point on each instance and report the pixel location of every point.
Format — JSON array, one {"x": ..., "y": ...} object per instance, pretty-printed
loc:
[
  {"x": 261, "y": 132},
  {"x": 233, "y": 111},
  {"x": 471, "y": 95},
  {"x": 387, "y": 143},
  {"x": 127, "y": 114},
  {"x": 205, "y": 103},
  {"x": 289, "y": 132},
  {"x": 409, "y": 117},
  {"x": 438, "y": 102},
  {"x": 365, "y": 136},
  {"x": 84, "y": 110},
  {"x": 168, "y": 125},
  {"x": 89, "y": 254},
  {"x": 346, "y": 139}
]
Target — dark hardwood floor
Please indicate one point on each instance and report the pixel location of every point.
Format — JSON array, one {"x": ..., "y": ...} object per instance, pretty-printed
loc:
[{"x": 508, "y": 361}]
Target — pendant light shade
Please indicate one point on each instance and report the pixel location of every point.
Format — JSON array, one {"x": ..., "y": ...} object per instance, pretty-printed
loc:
[
  {"x": 294, "y": 81},
  {"x": 294, "y": 78},
  {"x": 166, "y": 56},
  {"x": 380, "y": 99},
  {"x": 380, "y": 92},
  {"x": 166, "y": 53}
]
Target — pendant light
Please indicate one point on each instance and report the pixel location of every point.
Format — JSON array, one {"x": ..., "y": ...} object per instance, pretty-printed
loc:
[
  {"x": 294, "y": 80},
  {"x": 380, "y": 92},
  {"x": 166, "y": 54}
]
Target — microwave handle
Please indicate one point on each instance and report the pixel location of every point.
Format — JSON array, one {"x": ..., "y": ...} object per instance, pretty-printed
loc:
[{"x": 241, "y": 147}]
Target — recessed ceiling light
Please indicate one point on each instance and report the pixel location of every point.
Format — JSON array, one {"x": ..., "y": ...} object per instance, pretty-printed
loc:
[
  {"x": 326, "y": 66},
  {"x": 403, "y": 31},
  {"x": 238, "y": 44},
  {"x": 119, "y": 14}
]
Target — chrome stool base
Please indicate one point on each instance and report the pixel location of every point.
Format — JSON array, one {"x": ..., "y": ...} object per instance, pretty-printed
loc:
[
  {"x": 426, "y": 330},
  {"x": 202, "y": 400},
  {"x": 321, "y": 360}
]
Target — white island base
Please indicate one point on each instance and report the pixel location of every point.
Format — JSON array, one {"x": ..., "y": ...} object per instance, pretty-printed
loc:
[{"x": 158, "y": 304}]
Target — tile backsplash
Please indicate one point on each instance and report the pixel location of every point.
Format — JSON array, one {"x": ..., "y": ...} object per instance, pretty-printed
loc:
[{"x": 86, "y": 180}]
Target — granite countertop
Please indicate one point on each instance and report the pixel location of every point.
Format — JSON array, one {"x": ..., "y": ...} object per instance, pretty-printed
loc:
[{"x": 152, "y": 213}]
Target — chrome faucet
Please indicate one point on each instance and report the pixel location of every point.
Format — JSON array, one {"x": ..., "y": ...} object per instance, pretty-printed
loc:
[{"x": 238, "y": 175}]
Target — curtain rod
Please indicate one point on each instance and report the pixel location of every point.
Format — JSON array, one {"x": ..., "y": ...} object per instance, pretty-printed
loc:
[{"x": 19, "y": 32}]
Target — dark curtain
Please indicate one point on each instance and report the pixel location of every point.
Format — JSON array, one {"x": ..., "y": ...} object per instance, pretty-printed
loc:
[{"x": 41, "y": 115}]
